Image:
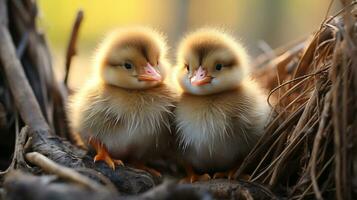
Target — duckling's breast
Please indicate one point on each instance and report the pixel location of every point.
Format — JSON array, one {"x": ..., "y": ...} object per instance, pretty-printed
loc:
[
  {"x": 214, "y": 134},
  {"x": 130, "y": 124}
]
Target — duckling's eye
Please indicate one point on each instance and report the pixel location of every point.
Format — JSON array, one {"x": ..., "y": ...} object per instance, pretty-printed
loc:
[
  {"x": 187, "y": 67},
  {"x": 219, "y": 67},
  {"x": 128, "y": 65}
]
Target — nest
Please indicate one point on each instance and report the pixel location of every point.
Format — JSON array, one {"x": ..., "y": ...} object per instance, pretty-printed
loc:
[{"x": 308, "y": 149}]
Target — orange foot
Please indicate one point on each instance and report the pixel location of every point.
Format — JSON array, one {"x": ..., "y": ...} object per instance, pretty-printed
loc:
[
  {"x": 192, "y": 176},
  {"x": 142, "y": 166},
  {"x": 228, "y": 174},
  {"x": 102, "y": 154}
]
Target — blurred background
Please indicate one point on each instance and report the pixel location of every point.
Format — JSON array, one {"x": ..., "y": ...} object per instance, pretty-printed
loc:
[{"x": 259, "y": 24}]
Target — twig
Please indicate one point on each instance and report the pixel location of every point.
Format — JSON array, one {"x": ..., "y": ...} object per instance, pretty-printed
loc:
[
  {"x": 316, "y": 144},
  {"x": 71, "y": 48},
  {"x": 64, "y": 172},
  {"x": 22, "y": 45},
  {"x": 20, "y": 88}
]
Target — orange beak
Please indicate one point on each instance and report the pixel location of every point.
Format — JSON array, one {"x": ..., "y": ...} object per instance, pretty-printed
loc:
[
  {"x": 150, "y": 74},
  {"x": 200, "y": 77}
]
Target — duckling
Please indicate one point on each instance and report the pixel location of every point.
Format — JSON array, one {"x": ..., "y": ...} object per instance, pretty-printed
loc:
[
  {"x": 221, "y": 112},
  {"x": 125, "y": 110}
]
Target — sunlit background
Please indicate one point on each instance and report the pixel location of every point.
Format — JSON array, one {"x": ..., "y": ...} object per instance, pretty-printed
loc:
[{"x": 257, "y": 23}]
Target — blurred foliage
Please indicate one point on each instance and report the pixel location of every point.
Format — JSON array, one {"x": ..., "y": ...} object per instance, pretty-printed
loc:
[{"x": 275, "y": 22}]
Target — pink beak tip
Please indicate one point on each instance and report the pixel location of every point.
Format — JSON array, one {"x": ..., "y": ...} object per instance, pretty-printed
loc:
[
  {"x": 152, "y": 72},
  {"x": 199, "y": 76}
]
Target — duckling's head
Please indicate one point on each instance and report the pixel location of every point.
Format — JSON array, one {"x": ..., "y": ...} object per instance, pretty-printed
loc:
[
  {"x": 209, "y": 62},
  {"x": 132, "y": 58}
]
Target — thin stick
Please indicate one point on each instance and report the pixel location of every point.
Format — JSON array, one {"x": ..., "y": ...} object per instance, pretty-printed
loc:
[
  {"x": 20, "y": 88},
  {"x": 64, "y": 172},
  {"x": 71, "y": 48},
  {"x": 316, "y": 145}
]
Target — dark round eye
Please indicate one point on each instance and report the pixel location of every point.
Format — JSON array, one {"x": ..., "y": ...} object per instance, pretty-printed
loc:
[
  {"x": 219, "y": 67},
  {"x": 128, "y": 65},
  {"x": 187, "y": 67}
]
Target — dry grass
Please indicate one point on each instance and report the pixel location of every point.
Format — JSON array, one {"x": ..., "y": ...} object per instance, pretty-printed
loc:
[{"x": 309, "y": 145}]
